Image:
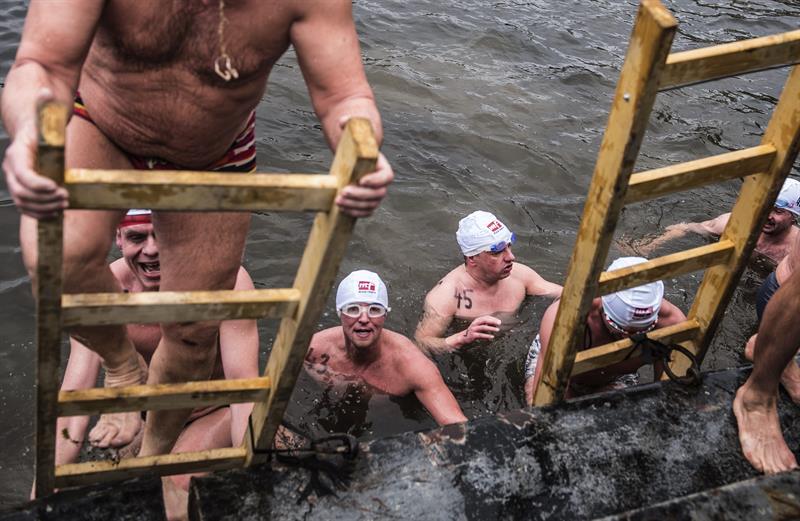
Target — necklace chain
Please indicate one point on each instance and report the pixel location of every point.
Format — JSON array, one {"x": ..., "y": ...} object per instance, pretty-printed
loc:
[{"x": 223, "y": 65}]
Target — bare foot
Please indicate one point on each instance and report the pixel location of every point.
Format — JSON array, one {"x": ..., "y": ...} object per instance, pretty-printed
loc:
[
  {"x": 119, "y": 429},
  {"x": 760, "y": 432}
]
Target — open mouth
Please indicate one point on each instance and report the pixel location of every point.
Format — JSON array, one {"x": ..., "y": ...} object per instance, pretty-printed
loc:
[
  {"x": 152, "y": 269},
  {"x": 362, "y": 332}
]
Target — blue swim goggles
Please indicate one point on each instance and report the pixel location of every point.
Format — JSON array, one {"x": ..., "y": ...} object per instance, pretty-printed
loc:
[{"x": 502, "y": 245}]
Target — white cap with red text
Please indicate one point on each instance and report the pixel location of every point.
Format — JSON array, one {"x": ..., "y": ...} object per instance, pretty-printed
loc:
[
  {"x": 789, "y": 197},
  {"x": 635, "y": 307},
  {"x": 362, "y": 286},
  {"x": 479, "y": 231},
  {"x": 136, "y": 216}
]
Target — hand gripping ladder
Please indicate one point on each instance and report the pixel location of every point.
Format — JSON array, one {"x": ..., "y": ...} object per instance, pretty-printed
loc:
[
  {"x": 648, "y": 68},
  {"x": 298, "y": 306}
]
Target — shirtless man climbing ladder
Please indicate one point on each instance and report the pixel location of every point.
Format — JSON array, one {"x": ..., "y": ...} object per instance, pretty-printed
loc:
[{"x": 170, "y": 85}]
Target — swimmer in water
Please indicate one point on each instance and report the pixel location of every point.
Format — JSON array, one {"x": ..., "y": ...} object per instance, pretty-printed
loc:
[
  {"x": 361, "y": 350},
  {"x": 611, "y": 318},
  {"x": 488, "y": 283}
]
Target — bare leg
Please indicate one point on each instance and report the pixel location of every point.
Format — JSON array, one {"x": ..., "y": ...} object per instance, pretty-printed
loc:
[
  {"x": 790, "y": 377},
  {"x": 197, "y": 251},
  {"x": 87, "y": 241},
  {"x": 755, "y": 405}
]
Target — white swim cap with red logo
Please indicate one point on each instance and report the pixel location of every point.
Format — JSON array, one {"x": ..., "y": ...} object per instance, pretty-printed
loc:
[
  {"x": 635, "y": 308},
  {"x": 479, "y": 231},
  {"x": 362, "y": 286}
]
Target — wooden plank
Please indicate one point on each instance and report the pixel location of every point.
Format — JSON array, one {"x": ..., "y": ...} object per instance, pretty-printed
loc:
[
  {"x": 187, "y": 190},
  {"x": 650, "y": 42},
  {"x": 672, "y": 265},
  {"x": 95, "y": 309},
  {"x": 77, "y": 474},
  {"x": 162, "y": 396},
  {"x": 356, "y": 155},
  {"x": 52, "y": 118},
  {"x": 731, "y": 59},
  {"x": 693, "y": 174},
  {"x": 602, "y": 356},
  {"x": 756, "y": 197}
]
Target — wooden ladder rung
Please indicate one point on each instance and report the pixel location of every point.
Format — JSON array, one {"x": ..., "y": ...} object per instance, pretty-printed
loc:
[
  {"x": 671, "y": 265},
  {"x": 76, "y": 474},
  {"x": 195, "y": 191},
  {"x": 730, "y": 59},
  {"x": 98, "y": 309},
  {"x": 607, "y": 354},
  {"x": 162, "y": 396},
  {"x": 693, "y": 174}
]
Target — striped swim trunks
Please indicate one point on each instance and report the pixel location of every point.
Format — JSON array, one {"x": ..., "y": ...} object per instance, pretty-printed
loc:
[{"x": 240, "y": 157}]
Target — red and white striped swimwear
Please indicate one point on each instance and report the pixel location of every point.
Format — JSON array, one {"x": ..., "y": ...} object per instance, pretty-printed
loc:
[{"x": 240, "y": 157}]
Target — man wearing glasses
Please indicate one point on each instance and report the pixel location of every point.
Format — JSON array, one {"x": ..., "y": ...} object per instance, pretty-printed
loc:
[
  {"x": 361, "y": 350},
  {"x": 611, "y": 318},
  {"x": 488, "y": 284}
]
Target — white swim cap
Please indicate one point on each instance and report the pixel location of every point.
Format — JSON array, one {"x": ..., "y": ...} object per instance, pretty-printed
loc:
[
  {"x": 362, "y": 286},
  {"x": 481, "y": 231},
  {"x": 634, "y": 308},
  {"x": 789, "y": 197}
]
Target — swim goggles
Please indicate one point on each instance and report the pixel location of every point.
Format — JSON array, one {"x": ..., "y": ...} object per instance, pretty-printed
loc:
[
  {"x": 619, "y": 330},
  {"x": 355, "y": 310},
  {"x": 502, "y": 245}
]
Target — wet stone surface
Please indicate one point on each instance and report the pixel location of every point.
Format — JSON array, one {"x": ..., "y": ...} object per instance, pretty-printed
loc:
[
  {"x": 766, "y": 498},
  {"x": 132, "y": 500},
  {"x": 588, "y": 458}
]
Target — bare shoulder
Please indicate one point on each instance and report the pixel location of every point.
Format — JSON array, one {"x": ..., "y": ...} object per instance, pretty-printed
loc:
[
  {"x": 440, "y": 297},
  {"x": 406, "y": 356},
  {"x": 122, "y": 273},
  {"x": 669, "y": 314}
]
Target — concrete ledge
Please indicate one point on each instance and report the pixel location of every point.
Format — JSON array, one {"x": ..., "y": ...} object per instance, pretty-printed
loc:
[
  {"x": 765, "y": 498},
  {"x": 132, "y": 500},
  {"x": 588, "y": 458}
]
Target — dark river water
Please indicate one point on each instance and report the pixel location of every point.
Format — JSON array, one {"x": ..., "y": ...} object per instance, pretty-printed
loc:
[{"x": 486, "y": 105}]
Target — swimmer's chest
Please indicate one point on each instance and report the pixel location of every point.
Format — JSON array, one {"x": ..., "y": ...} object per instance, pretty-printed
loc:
[
  {"x": 470, "y": 302},
  {"x": 157, "y": 34}
]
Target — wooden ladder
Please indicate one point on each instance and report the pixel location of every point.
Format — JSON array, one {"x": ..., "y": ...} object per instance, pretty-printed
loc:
[
  {"x": 298, "y": 306},
  {"x": 649, "y": 68}
]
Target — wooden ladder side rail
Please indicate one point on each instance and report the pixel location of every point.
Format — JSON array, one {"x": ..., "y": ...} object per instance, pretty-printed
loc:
[
  {"x": 672, "y": 265},
  {"x": 651, "y": 39},
  {"x": 102, "y": 309},
  {"x": 659, "y": 182},
  {"x": 611, "y": 353},
  {"x": 756, "y": 197},
  {"x": 730, "y": 59},
  {"x": 185, "y": 395},
  {"x": 90, "y": 472},
  {"x": 52, "y": 120},
  {"x": 356, "y": 155},
  {"x": 187, "y": 190}
]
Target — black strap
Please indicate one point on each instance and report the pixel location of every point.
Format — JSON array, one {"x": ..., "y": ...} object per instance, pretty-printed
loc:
[{"x": 654, "y": 350}]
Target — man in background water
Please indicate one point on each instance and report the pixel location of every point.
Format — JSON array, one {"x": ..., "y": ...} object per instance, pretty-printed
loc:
[{"x": 170, "y": 86}]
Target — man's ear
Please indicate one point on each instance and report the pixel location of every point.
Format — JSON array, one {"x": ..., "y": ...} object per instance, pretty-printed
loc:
[{"x": 118, "y": 238}]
